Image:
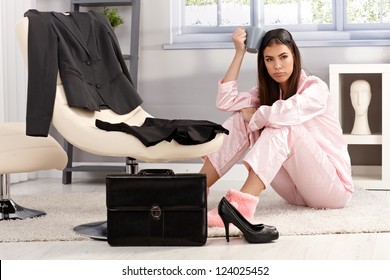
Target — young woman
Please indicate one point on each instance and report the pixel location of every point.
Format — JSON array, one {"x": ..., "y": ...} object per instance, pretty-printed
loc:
[{"x": 285, "y": 127}]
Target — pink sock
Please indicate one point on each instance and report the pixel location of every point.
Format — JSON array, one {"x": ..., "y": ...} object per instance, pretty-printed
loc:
[{"x": 244, "y": 202}]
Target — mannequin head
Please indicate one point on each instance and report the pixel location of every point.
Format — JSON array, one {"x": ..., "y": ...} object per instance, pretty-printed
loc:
[{"x": 360, "y": 96}]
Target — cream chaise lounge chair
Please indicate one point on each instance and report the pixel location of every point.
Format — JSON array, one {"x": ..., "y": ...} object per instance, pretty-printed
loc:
[{"x": 77, "y": 126}]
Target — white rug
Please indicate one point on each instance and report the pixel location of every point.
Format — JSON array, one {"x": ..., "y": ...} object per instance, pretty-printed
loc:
[{"x": 369, "y": 211}]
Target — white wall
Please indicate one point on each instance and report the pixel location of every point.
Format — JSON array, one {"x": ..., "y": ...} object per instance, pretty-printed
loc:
[
  {"x": 53, "y": 5},
  {"x": 183, "y": 83}
]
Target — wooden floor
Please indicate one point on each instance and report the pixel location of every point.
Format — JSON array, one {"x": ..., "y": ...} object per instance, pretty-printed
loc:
[{"x": 370, "y": 246}]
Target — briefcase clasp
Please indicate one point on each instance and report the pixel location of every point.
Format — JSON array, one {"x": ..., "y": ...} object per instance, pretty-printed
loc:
[{"x": 155, "y": 211}]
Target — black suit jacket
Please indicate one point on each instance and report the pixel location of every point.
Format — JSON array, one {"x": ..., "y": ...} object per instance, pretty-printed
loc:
[{"x": 85, "y": 51}]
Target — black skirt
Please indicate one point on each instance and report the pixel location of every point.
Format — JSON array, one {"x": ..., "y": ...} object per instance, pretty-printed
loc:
[{"x": 154, "y": 130}]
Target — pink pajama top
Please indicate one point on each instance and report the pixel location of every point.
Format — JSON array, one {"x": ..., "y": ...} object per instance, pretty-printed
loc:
[{"x": 311, "y": 107}]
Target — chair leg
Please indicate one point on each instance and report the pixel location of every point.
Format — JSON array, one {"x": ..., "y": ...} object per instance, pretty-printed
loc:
[
  {"x": 131, "y": 166},
  {"x": 67, "y": 172},
  {"x": 9, "y": 210}
]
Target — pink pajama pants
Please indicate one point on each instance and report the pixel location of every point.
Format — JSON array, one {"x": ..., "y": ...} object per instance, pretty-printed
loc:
[{"x": 288, "y": 159}]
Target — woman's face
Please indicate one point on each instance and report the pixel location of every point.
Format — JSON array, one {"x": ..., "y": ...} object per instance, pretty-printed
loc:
[{"x": 279, "y": 62}]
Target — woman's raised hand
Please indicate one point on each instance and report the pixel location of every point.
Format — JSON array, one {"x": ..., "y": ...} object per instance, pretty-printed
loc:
[{"x": 239, "y": 37}]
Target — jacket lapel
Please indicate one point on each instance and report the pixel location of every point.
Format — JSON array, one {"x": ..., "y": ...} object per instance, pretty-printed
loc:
[
  {"x": 70, "y": 24},
  {"x": 86, "y": 26}
]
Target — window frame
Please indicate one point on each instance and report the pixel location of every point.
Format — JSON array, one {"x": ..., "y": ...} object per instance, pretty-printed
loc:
[{"x": 340, "y": 33}]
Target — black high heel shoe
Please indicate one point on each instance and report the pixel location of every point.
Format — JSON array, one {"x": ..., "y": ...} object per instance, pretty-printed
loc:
[{"x": 258, "y": 233}]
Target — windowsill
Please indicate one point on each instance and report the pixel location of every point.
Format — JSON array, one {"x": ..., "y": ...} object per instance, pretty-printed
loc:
[
  {"x": 303, "y": 39},
  {"x": 189, "y": 46},
  {"x": 344, "y": 43},
  {"x": 301, "y": 44}
]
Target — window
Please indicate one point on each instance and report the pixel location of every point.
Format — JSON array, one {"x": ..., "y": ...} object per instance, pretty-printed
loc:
[
  {"x": 309, "y": 15},
  {"x": 367, "y": 14},
  {"x": 209, "y": 23}
]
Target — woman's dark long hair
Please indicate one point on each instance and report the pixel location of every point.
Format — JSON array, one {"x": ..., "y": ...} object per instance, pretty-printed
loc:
[{"x": 269, "y": 91}]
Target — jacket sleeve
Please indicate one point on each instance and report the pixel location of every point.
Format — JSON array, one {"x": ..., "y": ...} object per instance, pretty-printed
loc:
[
  {"x": 42, "y": 74},
  {"x": 309, "y": 102},
  {"x": 230, "y": 99}
]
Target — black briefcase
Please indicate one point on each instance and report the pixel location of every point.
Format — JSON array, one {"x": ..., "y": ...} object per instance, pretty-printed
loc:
[{"x": 156, "y": 208}]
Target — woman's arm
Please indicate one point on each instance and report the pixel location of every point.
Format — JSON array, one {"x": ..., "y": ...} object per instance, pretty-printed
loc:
[
  {"x": 239, "y": 37},
  {"x": 308, "y": 103},
  {"x": 228, "y": 98}
]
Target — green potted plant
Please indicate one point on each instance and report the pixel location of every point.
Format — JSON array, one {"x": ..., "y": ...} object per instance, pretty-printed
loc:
[{"x": 113, "y": 16}]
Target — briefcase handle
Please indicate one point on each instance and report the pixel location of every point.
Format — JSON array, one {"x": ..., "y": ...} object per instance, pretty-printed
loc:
[{"x": 151, "y": 172}]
